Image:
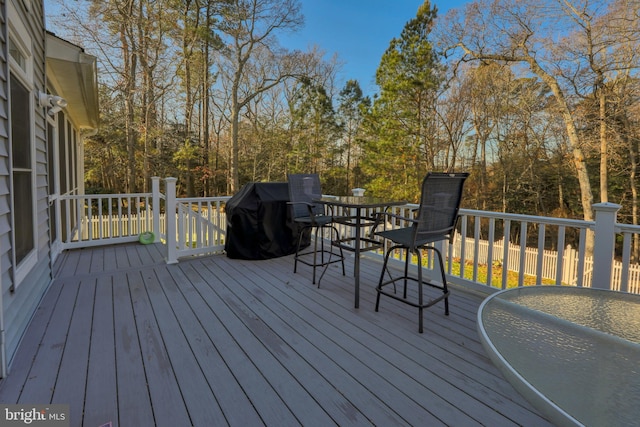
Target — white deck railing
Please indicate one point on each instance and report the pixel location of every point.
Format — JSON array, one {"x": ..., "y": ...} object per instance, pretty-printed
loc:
[
  {"x": 490, "y": 251},
  {"x": 200, "y": 227},
  {"x": 98, "y": 219}
]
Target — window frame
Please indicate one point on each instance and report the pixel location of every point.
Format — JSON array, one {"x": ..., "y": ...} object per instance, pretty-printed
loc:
[{"x": 22, "y": 73}]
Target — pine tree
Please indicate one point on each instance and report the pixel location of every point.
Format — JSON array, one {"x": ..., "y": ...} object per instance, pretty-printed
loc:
[{"x": 401, "y": 146}]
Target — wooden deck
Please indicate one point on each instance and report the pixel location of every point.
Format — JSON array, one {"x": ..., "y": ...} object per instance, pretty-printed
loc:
[{"x": 124, "y": 338}]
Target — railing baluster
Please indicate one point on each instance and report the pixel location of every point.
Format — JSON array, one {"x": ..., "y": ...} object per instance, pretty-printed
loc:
[
  {"x": 100, "y": 220},
  {"x": 79, "y": 220},
  {"x": 560, "y": 254},
  {"x": 505, "y": 253},
  {"x": 540, "y": 255},
  {"x": 476, "y": 236},
  {"x": 523, "y": 252},
  {"x": 463, "y": 245},
  {"x": 490, "y": 237},
  {"x": 623, "y": 284},
  {"x": 581, "y": 258},
  {"x": 119, "y": 216}
]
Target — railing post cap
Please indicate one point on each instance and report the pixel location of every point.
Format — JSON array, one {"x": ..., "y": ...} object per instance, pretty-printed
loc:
[
  {"x": 171, "y": 179},
  {"x": 607, "y": 206}
]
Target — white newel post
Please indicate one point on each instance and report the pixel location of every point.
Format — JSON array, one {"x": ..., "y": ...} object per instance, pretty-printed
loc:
[
  {"x": 155, "y": 206},
  {"x": 170, "y": 219},
  {"x": 604, "y": 241}
]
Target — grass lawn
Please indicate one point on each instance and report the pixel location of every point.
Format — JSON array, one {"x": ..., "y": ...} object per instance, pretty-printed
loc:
[{"x": 496, "y": 275}]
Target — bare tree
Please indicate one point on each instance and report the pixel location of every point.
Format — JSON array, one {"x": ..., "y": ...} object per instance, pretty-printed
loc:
[
  {"x": 515, "y": 32},
  {"x": 564, "y": 43},
  {"x": 253, "y": 62}
]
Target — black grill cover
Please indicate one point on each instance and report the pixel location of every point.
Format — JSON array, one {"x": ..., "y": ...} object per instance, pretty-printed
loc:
[{"x": 259, "y": 224}]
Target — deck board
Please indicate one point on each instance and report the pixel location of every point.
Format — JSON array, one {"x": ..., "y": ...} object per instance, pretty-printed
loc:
[
  {"x": 196, "y": 391},
  {"x": 134, "y": 402},
  {"x": 125, "y": 338},
  {"x": 101, "y": 399},
  {"x": 251, "y": 333},
  {"x": 300, "y": 347},
  {"x": 340, "y": 349},
  {"x": 43, "y": 372},
  {"x": 71, "y": 382},
  {"x": 168, "y": 404},
  {"x": 226, "y": 390},
  {"x": 250, "y": 391},
  {"x": 406, "y": 374}
]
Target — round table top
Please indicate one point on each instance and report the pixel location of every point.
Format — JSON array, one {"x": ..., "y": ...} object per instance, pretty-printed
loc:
[{"x": 573, "y": 352}]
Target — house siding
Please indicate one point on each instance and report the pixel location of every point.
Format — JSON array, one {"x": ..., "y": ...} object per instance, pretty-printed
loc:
[
  {"x": 20, "y": 305},
  {"x": 5, "y": 227}
]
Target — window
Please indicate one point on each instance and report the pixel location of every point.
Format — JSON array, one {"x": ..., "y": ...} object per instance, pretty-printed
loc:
[
  {"x": 17, "y": 56},
  {"x": 20, "y": 56},
  {"x": 22, "y": 170},
  {"x": 21, "y": 122}
]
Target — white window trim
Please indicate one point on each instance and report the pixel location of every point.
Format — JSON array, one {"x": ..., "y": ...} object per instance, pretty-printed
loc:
[{"x": 20, "y": 36}]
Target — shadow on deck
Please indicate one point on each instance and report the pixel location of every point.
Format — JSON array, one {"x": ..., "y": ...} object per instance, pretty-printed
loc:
[{"x": 124, "y": 338}]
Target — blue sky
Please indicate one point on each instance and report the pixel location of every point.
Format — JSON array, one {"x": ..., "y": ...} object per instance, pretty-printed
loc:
[{"x": 359, "y": 31}]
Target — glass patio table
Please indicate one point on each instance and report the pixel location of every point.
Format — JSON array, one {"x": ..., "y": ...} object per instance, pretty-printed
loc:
[
  {"x": 358, "y": 206},
  {"x": 572, "y": 351}
]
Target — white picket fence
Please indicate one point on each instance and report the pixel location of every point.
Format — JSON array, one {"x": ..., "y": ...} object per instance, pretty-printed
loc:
[
  {"x": 552, "y": 266},
  {"x": 98, "y": 227}
]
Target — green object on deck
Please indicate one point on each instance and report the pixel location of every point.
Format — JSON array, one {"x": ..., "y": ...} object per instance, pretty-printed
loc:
[{"x": 147, "y": 237}]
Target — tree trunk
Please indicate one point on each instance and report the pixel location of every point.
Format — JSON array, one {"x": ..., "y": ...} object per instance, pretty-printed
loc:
[
  {"x": 604, "y": 180},
  {"x": 129, "y": 64},
  {"x": 574, "y": 141}
]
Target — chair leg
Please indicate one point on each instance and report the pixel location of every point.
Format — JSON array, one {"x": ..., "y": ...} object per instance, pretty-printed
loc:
[
  {"x": 423, "y": 300},
  {"x": 445, "y": 288},
  {"x": 384, "y": 268},
  {"x": 331, "y": 253},
  {"x": 315, "y": 255},
  {"x": 420, "y": 296},
  {"x": 406, "y": 271},
  {"x": 395, "y": 289},
  {"x": 335, "y": 229},
  {"x": 295, "y": 258}
]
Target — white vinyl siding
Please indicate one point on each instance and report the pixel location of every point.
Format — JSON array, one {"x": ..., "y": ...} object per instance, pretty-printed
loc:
[{"x": 24, "y": 277}]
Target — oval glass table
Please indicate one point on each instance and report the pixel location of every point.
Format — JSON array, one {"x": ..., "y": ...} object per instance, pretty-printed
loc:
[{"x": 574, "y": 353}]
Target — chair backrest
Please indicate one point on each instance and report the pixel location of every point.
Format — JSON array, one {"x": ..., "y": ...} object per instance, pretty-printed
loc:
[
  {"x": 439, "y": 206},
  {"x": 305, "y": 188}
]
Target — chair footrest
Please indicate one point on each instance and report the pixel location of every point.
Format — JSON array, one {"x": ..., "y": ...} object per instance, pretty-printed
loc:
[
  {"x": 352, "y": 221},
  {"x": 366, "y": 244},
  {"x": 397, "y": 297},
  {"x": 327, "y": 254}
]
